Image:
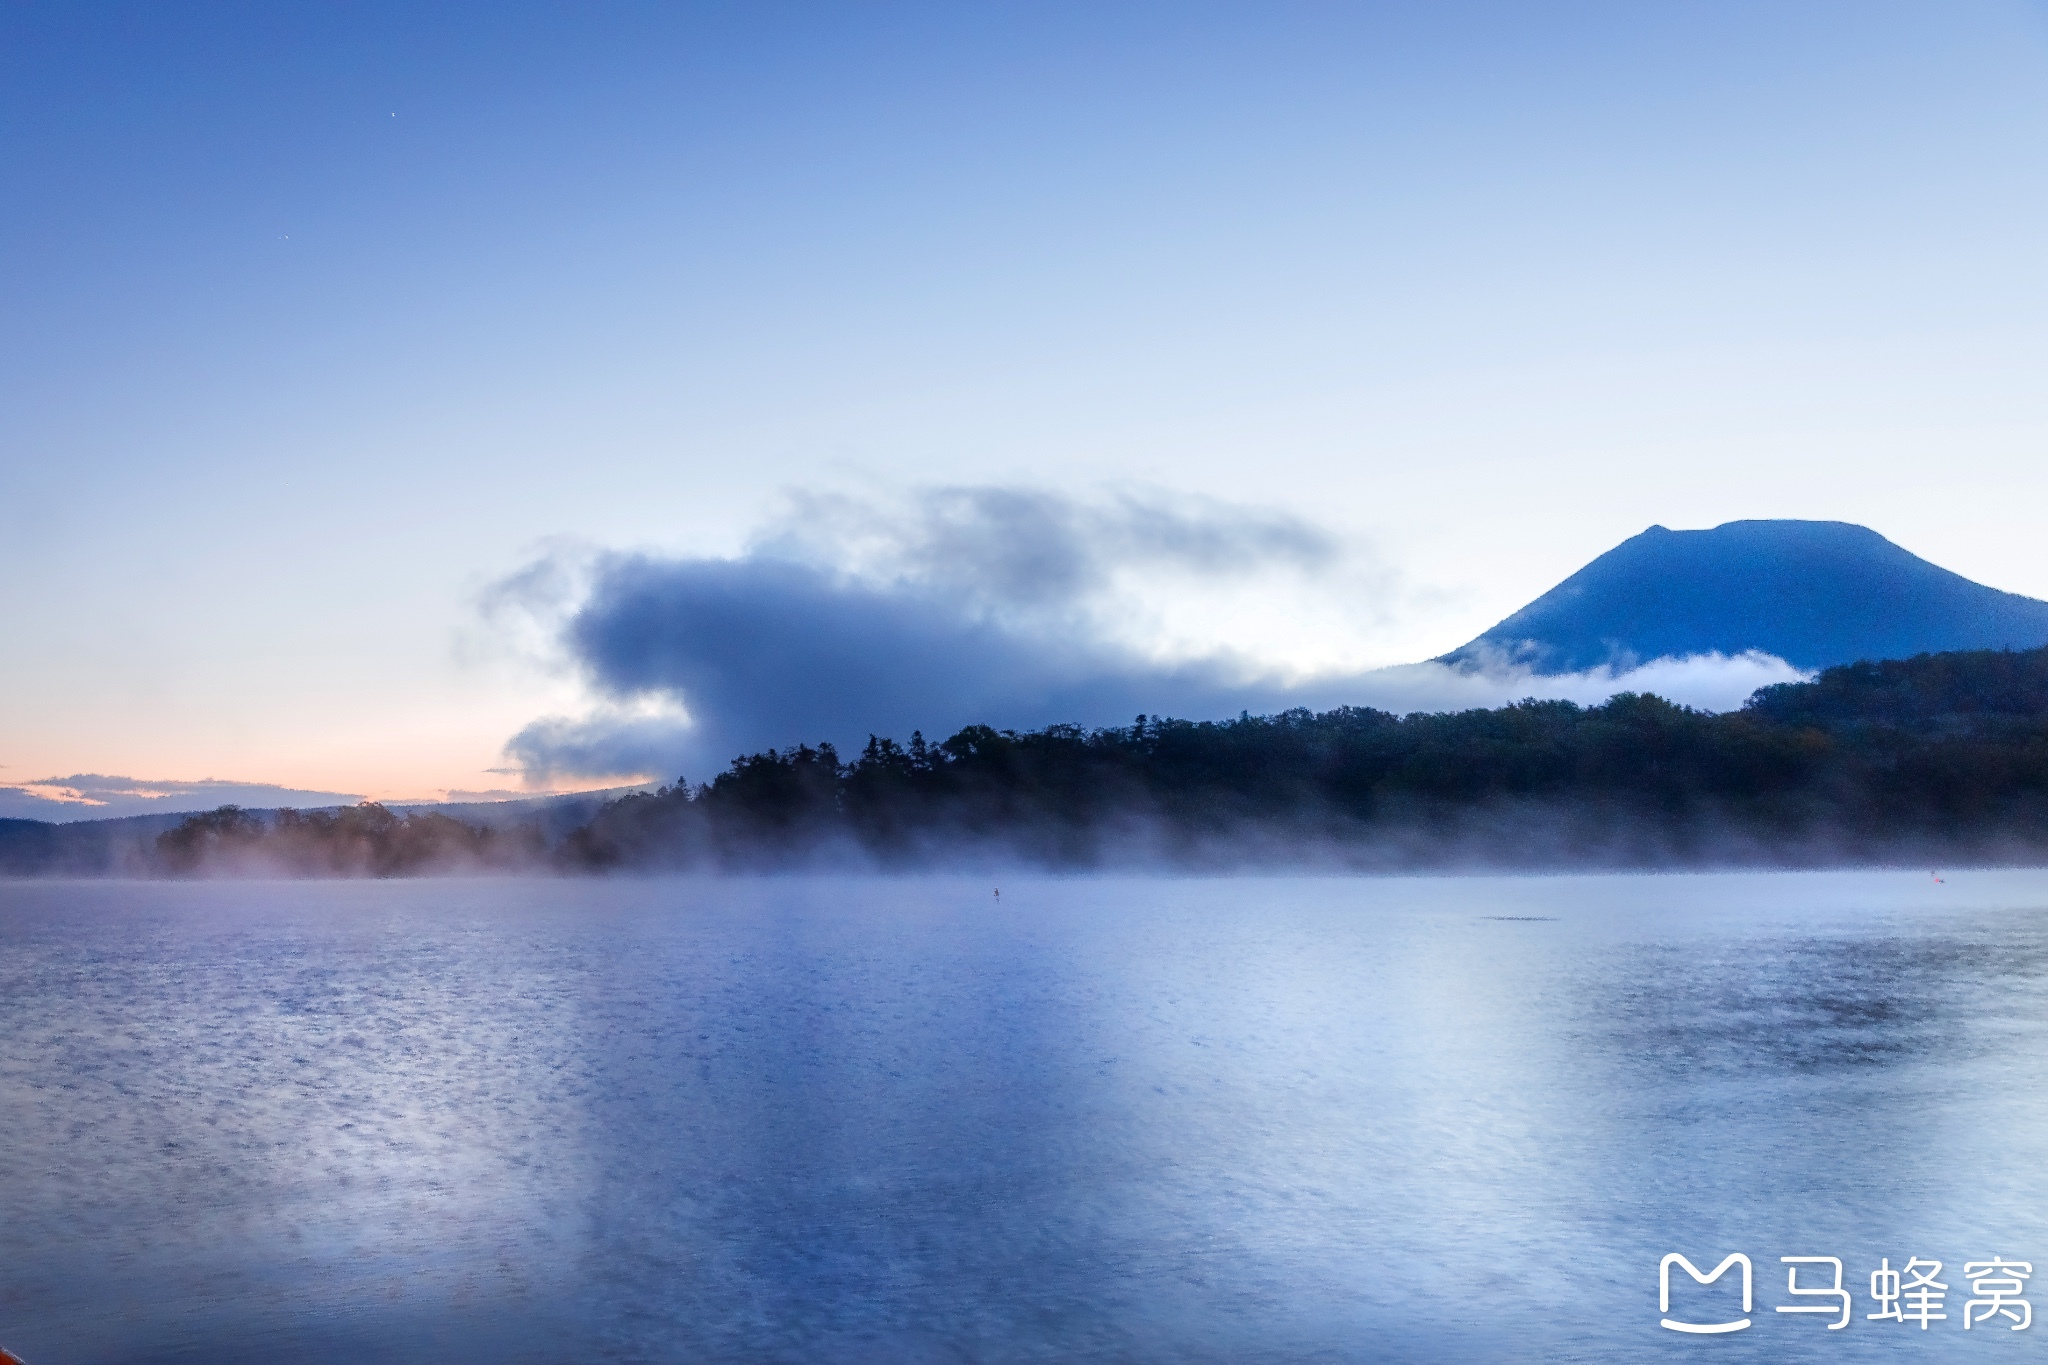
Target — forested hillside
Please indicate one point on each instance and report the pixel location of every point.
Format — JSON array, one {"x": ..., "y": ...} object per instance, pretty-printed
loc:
[{"x": 1941, "y": 755}]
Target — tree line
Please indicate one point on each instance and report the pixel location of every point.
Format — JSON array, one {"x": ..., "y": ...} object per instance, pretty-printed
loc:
[
  {"x": 1937, "y": 754},
  {"x": 1937, "y": 757}
]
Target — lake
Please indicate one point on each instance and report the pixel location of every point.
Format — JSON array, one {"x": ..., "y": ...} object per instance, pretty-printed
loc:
[{"x": 1114, "y": 1119}]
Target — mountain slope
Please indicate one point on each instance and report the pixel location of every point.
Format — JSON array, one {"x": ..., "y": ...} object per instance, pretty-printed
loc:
[{"x": 1814, "y": 593}]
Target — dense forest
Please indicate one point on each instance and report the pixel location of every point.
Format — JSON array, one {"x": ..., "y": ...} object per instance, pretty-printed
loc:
[{"x": 1939, "y": 758}]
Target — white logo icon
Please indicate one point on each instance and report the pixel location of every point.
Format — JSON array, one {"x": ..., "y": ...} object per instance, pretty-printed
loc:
[{"x": 1709, "y": 1328}]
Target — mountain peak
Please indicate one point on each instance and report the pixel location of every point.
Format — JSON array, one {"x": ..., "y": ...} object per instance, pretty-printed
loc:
[{"x": 1814, "y": 593}]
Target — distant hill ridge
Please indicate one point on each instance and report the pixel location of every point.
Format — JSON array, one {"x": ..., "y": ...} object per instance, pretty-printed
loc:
[{"x": 1813, "y": 593}]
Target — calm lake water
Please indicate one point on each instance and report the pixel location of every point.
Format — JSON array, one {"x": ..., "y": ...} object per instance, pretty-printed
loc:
[{"x": 820, "y": 1120}]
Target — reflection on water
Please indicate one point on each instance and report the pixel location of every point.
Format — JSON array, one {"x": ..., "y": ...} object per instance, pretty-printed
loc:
[{"x": 886, "y": 1120}]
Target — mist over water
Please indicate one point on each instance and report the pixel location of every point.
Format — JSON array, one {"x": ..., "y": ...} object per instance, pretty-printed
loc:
[{"x": 1154, "y": 1119}]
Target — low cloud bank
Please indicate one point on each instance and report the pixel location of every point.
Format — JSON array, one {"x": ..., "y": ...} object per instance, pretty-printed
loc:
[
  {"x": 995, "y": 606},
  {"x": 96, "y": 796},
  {"x": 1709, "y": 682}
]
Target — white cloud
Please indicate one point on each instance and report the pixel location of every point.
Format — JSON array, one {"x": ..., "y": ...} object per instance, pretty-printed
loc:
[{"x": 1711, "y": 682}]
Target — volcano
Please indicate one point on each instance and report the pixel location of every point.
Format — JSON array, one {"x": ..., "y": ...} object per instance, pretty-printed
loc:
[{"x": 1813, "y": 593}]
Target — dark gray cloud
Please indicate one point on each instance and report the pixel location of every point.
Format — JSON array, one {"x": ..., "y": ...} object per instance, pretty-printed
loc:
[
  {"x": 967, "y": 605},
  {"x": 766, "y": 653},
  {"x": 97, "y": 796},
  {"x": 849, "y": 617}
]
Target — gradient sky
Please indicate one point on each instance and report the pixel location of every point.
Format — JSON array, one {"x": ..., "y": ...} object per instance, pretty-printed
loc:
[{"x": 319, "y": 320}]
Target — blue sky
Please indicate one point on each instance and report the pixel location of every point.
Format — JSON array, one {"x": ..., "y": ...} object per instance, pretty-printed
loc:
[{"x": 322, "y": 321}]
